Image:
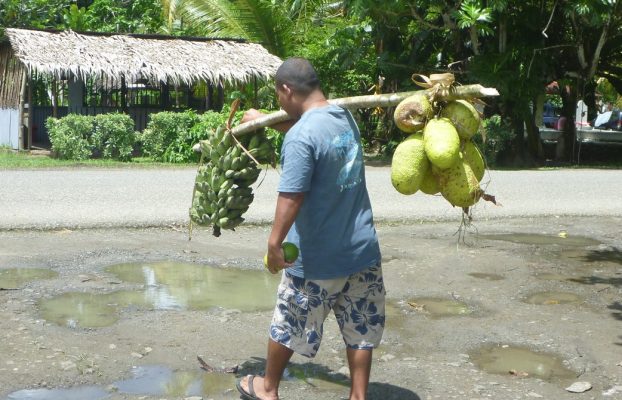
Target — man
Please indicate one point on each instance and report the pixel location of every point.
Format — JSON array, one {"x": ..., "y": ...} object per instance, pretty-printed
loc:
[{"x": 323, "y": 207}]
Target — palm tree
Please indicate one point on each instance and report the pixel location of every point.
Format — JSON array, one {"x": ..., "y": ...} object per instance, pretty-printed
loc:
[{"x": 258, "y": 21}]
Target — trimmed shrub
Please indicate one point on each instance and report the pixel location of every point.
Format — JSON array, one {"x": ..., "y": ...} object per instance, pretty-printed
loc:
[
  {"x": 69, "y": 136},
  {"x": 181, "y": 148},
  {"x": 170, "y": 136},
  {"x": 114, "y": 136},
  {"x": 162, "y": 132}
]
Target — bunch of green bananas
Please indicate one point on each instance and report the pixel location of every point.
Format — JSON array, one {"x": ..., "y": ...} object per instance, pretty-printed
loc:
[{"x": 222, "y": 191}]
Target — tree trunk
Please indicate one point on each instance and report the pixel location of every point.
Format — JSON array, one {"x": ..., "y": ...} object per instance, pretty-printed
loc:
[
  {"x": 503, "y": 34},
  {"x": 569, "y": 100}
]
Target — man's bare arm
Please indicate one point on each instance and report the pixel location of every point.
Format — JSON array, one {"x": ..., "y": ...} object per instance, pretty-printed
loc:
[{"x": 287, "y": 207}]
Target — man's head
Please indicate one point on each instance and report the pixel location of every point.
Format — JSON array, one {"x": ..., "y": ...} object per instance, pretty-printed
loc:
[
  {"x": 297, "y": 74},
  {"x": 297, "y": 85}
]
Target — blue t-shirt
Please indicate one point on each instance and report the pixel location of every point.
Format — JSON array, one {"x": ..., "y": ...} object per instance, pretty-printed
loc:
[{"x": 334, "y": 230}]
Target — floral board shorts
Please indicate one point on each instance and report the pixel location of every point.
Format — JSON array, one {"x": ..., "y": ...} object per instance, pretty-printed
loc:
[{"x": 303, "y": 305}]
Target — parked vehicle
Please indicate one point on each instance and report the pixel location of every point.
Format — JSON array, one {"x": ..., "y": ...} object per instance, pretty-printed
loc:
[
  {"x": 549, "y": 116},
  {"x": 611, "y": 120}
]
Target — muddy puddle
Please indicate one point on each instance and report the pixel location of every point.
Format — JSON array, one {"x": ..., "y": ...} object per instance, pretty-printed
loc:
[
  {"x": 145, "y": 381},
  {"x": 166, "y": 286},
  {"x": 520, "y": 362},
  {"x": 486, "y": 276},
  {"x": 552, "y": 298},
  {"x": 16, "y": 278},
  {"x": 439, "y": 307},
  {"x": 157, "y": 380},
  {"x": 560, "y": 239}
]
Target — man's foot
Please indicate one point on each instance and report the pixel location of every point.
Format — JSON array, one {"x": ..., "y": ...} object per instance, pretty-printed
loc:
[{"x": 251, "y": 387}]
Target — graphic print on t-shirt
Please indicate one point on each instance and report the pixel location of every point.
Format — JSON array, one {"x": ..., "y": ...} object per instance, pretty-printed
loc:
[{"x": 350, "y": 155}]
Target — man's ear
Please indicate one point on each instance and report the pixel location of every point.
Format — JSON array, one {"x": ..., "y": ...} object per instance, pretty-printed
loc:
[{"x": 287, "y": 90}]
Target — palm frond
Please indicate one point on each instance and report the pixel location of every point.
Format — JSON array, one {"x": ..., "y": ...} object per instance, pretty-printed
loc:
[{"x": 254, "y": 20}]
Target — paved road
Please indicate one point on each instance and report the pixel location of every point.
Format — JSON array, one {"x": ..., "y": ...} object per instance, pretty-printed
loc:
[{"x": 73, "y": 198}]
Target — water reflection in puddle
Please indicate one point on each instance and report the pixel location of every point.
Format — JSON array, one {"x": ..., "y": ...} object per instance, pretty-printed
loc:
[
  {"x": 486, "y": 276},
  {"x": 159, "y": 380},
  {"x": 88, "y": 310},
  {"x": 15, "y": 278},
  {"x": 549, "y": 298},
  {"x": 168, "y": 286},
  {"x": 541, "y": 239},
  {"x": 146, "y": 381},
  {"x": 437, "y": 308},
  {"x": 197, "y": 287},
  {"x": 520, "y": 362},
  {"x": 395, "y": 315},
  {"x": 78, "y": 393}
]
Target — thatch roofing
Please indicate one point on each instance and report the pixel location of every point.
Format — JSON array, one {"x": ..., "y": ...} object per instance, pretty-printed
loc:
[{"x": 132, "y": 57}]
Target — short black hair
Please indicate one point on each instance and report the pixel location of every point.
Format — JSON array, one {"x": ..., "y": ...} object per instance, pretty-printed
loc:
[{"x": 298, "y": 74}]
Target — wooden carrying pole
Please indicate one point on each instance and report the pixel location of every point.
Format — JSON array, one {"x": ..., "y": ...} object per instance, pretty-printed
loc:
[{"x": 368, "y": 101}]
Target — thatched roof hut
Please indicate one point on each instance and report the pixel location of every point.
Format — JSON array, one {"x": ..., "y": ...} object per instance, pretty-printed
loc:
[
  {"x": 133, "y": 57},
  {"x": 86, "y": 62}
]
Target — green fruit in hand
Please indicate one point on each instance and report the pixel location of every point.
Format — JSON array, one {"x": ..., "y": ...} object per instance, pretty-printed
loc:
[{"x": 290, "y": 252}]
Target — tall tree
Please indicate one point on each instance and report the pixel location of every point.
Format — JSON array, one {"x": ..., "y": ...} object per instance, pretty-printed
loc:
[{"x": 259, "y": 21}]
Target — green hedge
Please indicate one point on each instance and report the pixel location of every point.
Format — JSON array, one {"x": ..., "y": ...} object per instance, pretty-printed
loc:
[
  {"x": 114, "y": 136},
  {"x": 170, "y": 136},
  {"x": 167, "y": 136},
  {"x": 80, "y": 137},
  {"x": 70, "y": 135}
]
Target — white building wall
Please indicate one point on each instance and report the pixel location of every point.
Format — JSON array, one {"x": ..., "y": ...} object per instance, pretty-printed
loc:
[{"x": 9, "y": 127}]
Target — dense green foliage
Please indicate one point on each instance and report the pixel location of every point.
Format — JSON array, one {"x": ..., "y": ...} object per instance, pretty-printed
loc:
[
  {"x": 494, "y": 138},
  {"x": 167, "y": 134},
  {"x": 113, "y": 136},
  {"x": 170, "y": 136},
  {"x": 79, "y": 137},
  {"x": 69, "y": 136},
  {"x": 365, "y": 46},
  {"x": 135, "y": 16}
]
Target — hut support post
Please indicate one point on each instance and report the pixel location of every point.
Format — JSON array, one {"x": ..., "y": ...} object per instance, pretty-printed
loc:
[
  {"x": 123, "y": 95},
  {"x": 209, "y": 104},
  {"x": 165, "y": 96},
  {"x": 22, "y": 101},
  {"x": 54, "y": 98},
  {"x": 30, "y": 113},
  {"x": 76, "y": 95},
  {"x": 221, "y": 97}
]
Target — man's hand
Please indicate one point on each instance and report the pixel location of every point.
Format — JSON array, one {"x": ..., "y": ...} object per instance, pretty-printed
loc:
[
  {"x": 250, "y": 115},
  {"x": 276, "y": 261},
  {"x": 287, "y": 207}
]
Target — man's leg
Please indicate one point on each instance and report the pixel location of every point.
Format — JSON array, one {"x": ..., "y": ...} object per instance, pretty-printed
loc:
[
  {"x": 359, "y": 362},
  {"x": 267, "y": 388}
]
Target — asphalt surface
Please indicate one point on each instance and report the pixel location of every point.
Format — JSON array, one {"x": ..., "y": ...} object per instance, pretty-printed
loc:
[{"x": 91, "y": 197}]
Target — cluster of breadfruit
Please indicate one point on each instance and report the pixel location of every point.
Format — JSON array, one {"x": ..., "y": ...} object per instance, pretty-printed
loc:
[
  {"x": 439, "y": 156},
  {"x": 228, "y": 168}
]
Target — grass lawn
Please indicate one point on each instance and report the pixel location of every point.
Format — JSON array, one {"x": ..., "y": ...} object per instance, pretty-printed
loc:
[{"x": 25, "y": 160}]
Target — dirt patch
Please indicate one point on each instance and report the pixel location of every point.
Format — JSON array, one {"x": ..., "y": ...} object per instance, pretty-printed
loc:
[{"x": 422, "y": 356}]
